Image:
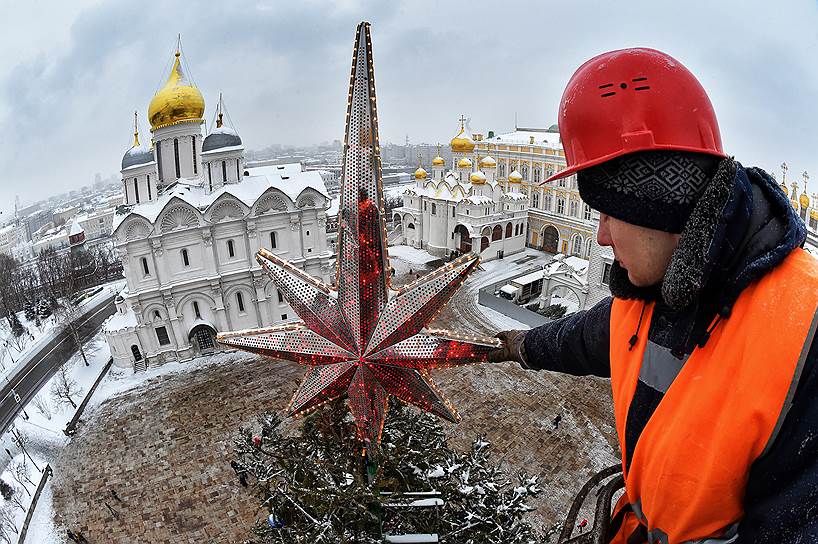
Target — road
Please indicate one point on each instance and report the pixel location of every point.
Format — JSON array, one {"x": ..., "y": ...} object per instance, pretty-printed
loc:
[{"x": 27, "y": 380}]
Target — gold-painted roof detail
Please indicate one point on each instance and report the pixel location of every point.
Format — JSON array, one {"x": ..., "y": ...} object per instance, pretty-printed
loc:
[
  {"x": 178, "y": 101},
  {"x": 462, "y": 143}
]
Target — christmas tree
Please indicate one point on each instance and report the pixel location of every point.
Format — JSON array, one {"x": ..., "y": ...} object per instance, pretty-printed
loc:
[{"x": 313, "y": 484}]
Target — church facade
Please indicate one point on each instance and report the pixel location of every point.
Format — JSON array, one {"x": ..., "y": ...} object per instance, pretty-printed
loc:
[
  {"x": 189, "y": 229},
  {"x": 463, "y": 208}
]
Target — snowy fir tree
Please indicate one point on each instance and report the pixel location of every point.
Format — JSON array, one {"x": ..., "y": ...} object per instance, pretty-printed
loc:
[
  {"x": 316, "y": 486},
  {"x": 17, "y": 328}
]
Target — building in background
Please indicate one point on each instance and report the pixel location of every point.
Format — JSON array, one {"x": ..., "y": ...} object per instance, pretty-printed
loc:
[
  {"x": 192, "y": 221},
  {"x": 558, "y": 220},
  {"x": 463, "y": 208}
]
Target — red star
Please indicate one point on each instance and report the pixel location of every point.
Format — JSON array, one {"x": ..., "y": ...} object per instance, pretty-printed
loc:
[{"x": 365, "y": 340}]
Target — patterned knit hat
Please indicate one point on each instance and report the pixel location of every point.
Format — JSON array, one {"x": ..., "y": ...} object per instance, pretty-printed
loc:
[{"x": 653, "y": 189}]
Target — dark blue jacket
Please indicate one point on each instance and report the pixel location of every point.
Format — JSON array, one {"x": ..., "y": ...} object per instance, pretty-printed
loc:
[{"x": 753, "y": 232}]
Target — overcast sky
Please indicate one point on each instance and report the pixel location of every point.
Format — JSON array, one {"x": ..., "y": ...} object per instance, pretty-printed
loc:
[{"x": 72, "y": 73}]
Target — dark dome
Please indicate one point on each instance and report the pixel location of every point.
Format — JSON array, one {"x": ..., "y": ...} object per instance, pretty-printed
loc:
[
  {"x": 137, "y": 155},
  {"x": 553, "y": 128},
  {"x": 219, "y": 138}
]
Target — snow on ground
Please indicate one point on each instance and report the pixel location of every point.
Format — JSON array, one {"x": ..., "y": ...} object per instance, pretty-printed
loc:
[
  {"x": 500, "y": 321},
  {"x": 14, "y": 352},
  {"x": 411, "y": 254}
]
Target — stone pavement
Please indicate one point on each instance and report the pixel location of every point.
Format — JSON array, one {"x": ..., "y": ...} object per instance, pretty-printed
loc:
[{"x": 165, "y": 447}]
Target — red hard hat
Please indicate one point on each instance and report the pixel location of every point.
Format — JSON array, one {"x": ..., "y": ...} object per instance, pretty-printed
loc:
[{"x": 633, "y": 100}]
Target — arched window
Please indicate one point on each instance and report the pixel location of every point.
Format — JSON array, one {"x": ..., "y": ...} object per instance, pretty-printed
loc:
[
  {"x": 574, "y": 206},
  {"x": 434, "y": 208},
  {"x": 547, "y": 201},
  {"x": 149, "y": 187},
  {"x": 502, "y": 170},
  {"x": 145, "y": 269},
  {"x": 210, "y": 176},
  {"x": 159, "y": 160},
  {"x": 196, "y": 311},
  {"x": 224, "y": 171},
  {"x": 195, "y": 166},
  {"x": 496, "y": 233},
  {"x": 157, "y": 315},
  {"x": 535, "y": 199},
  {"x": 525, "y": 172},
  {"x": 185, "y": 259},
  {"x": 240, "y": 302},
  {"x": 230, "y": 250},
  {"x": 410, "y": 226},
  {"x": 136, "y": 189},
  {"x": 176, "y": 156},
  {"x": 508, "y": 230},
  {"x": 137, "y": 355},
  {"x": 273, "y": 244},
  {"x": 588, "y": 243},
  {"x": 560, "y": 205},
  {"x": 537, "y": 173},
  {"x": 576, "y": 245}
]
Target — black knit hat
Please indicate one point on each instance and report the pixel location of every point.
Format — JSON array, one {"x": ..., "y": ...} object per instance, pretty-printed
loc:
[{"x": 653, "y": 189}]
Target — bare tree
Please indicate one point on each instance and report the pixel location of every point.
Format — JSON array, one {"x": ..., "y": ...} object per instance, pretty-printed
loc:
[
  {"x": 17, "y": 499},
  {"x": 19, "y": 471},
  {"x": 22, "y": 440},
  {"x": 7, "y": 525},
  {"x": 42, "y": 406},
  {"x": 64, "y": 388}
]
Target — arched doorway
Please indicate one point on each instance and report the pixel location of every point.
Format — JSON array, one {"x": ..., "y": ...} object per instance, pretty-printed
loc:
[
  {"x": 550, "y": 238},
  {"x": 465, "y": 239},
  {"x": 203, "y": 338}
]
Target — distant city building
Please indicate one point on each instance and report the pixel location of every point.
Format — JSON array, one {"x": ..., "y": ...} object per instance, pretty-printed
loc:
[
  {"x": 558, "y": 220},
  {"x": 193, "y": 218},
  {"x": 463, "y": 209}
]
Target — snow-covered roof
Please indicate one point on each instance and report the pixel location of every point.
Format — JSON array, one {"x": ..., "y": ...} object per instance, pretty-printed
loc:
[
  {"x": 515, "y": 196},
  {"x": 478, "y": 200},
  {"x": 523, "y": 137},
  {"x": 226, "y": 149},
  {"x": 509, "y": 289},
  {"x": 120, "y": 321},
  {"x": 76, "y": 228},
  {"x": 287, "y": 178},
  {"x": 529, "y": 278}
]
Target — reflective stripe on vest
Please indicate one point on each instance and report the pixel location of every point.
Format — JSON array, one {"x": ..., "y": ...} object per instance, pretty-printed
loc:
[{"x": 721, "y": 410}]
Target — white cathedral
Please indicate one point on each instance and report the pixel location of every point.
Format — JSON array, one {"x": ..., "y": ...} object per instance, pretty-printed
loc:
[
  {"x": 464, "y": 209},
  {"x": 193, "y": 219}
]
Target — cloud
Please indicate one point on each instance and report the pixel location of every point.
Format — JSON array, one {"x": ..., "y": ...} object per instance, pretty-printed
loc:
[{"x": 78, "y": 72}]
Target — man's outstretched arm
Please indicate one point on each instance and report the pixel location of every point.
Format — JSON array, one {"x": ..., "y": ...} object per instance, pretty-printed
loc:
[{"x": 577, "y": 344}]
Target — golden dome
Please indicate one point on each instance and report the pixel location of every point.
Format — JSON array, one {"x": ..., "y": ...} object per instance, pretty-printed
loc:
[
  {"x": 515, "y": 177},
  {"x": 794, "y": 204},
  {"x": 488, "y": 162},
  {"x": 177, "y": 102},
  {"x": 804, "y": 199},
  {"x": 438, "y": 161},
  {"x": 464, "y": 163},
  {"x": 814, "y": 214},
  {"x": 462, "y": 143},
  {"x": 784, "y": 188},
  {"x": 420, "y": 173},
  {"x": 478, "y": 178}
]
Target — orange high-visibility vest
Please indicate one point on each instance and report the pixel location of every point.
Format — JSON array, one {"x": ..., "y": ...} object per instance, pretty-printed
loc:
[{"x": 689, "y": 470}]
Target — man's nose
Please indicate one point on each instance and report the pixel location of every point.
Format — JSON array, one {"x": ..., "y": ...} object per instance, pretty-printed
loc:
[{"x": 603, "y": 233}]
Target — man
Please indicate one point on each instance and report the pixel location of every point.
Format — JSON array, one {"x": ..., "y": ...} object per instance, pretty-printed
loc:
[{"x": 709, "y": 336}]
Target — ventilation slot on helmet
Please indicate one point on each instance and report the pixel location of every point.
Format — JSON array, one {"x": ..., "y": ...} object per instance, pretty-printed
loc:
[
  {"x": 643, "y": 87},
  {"x": 606, "y": 86}
]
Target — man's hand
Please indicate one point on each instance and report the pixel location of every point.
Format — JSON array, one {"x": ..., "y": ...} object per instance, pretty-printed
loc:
[{"x": 511, "y": 350}]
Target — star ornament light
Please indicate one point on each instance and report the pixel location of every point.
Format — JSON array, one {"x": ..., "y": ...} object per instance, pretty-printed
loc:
[{"x": 365, "y": 340}]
